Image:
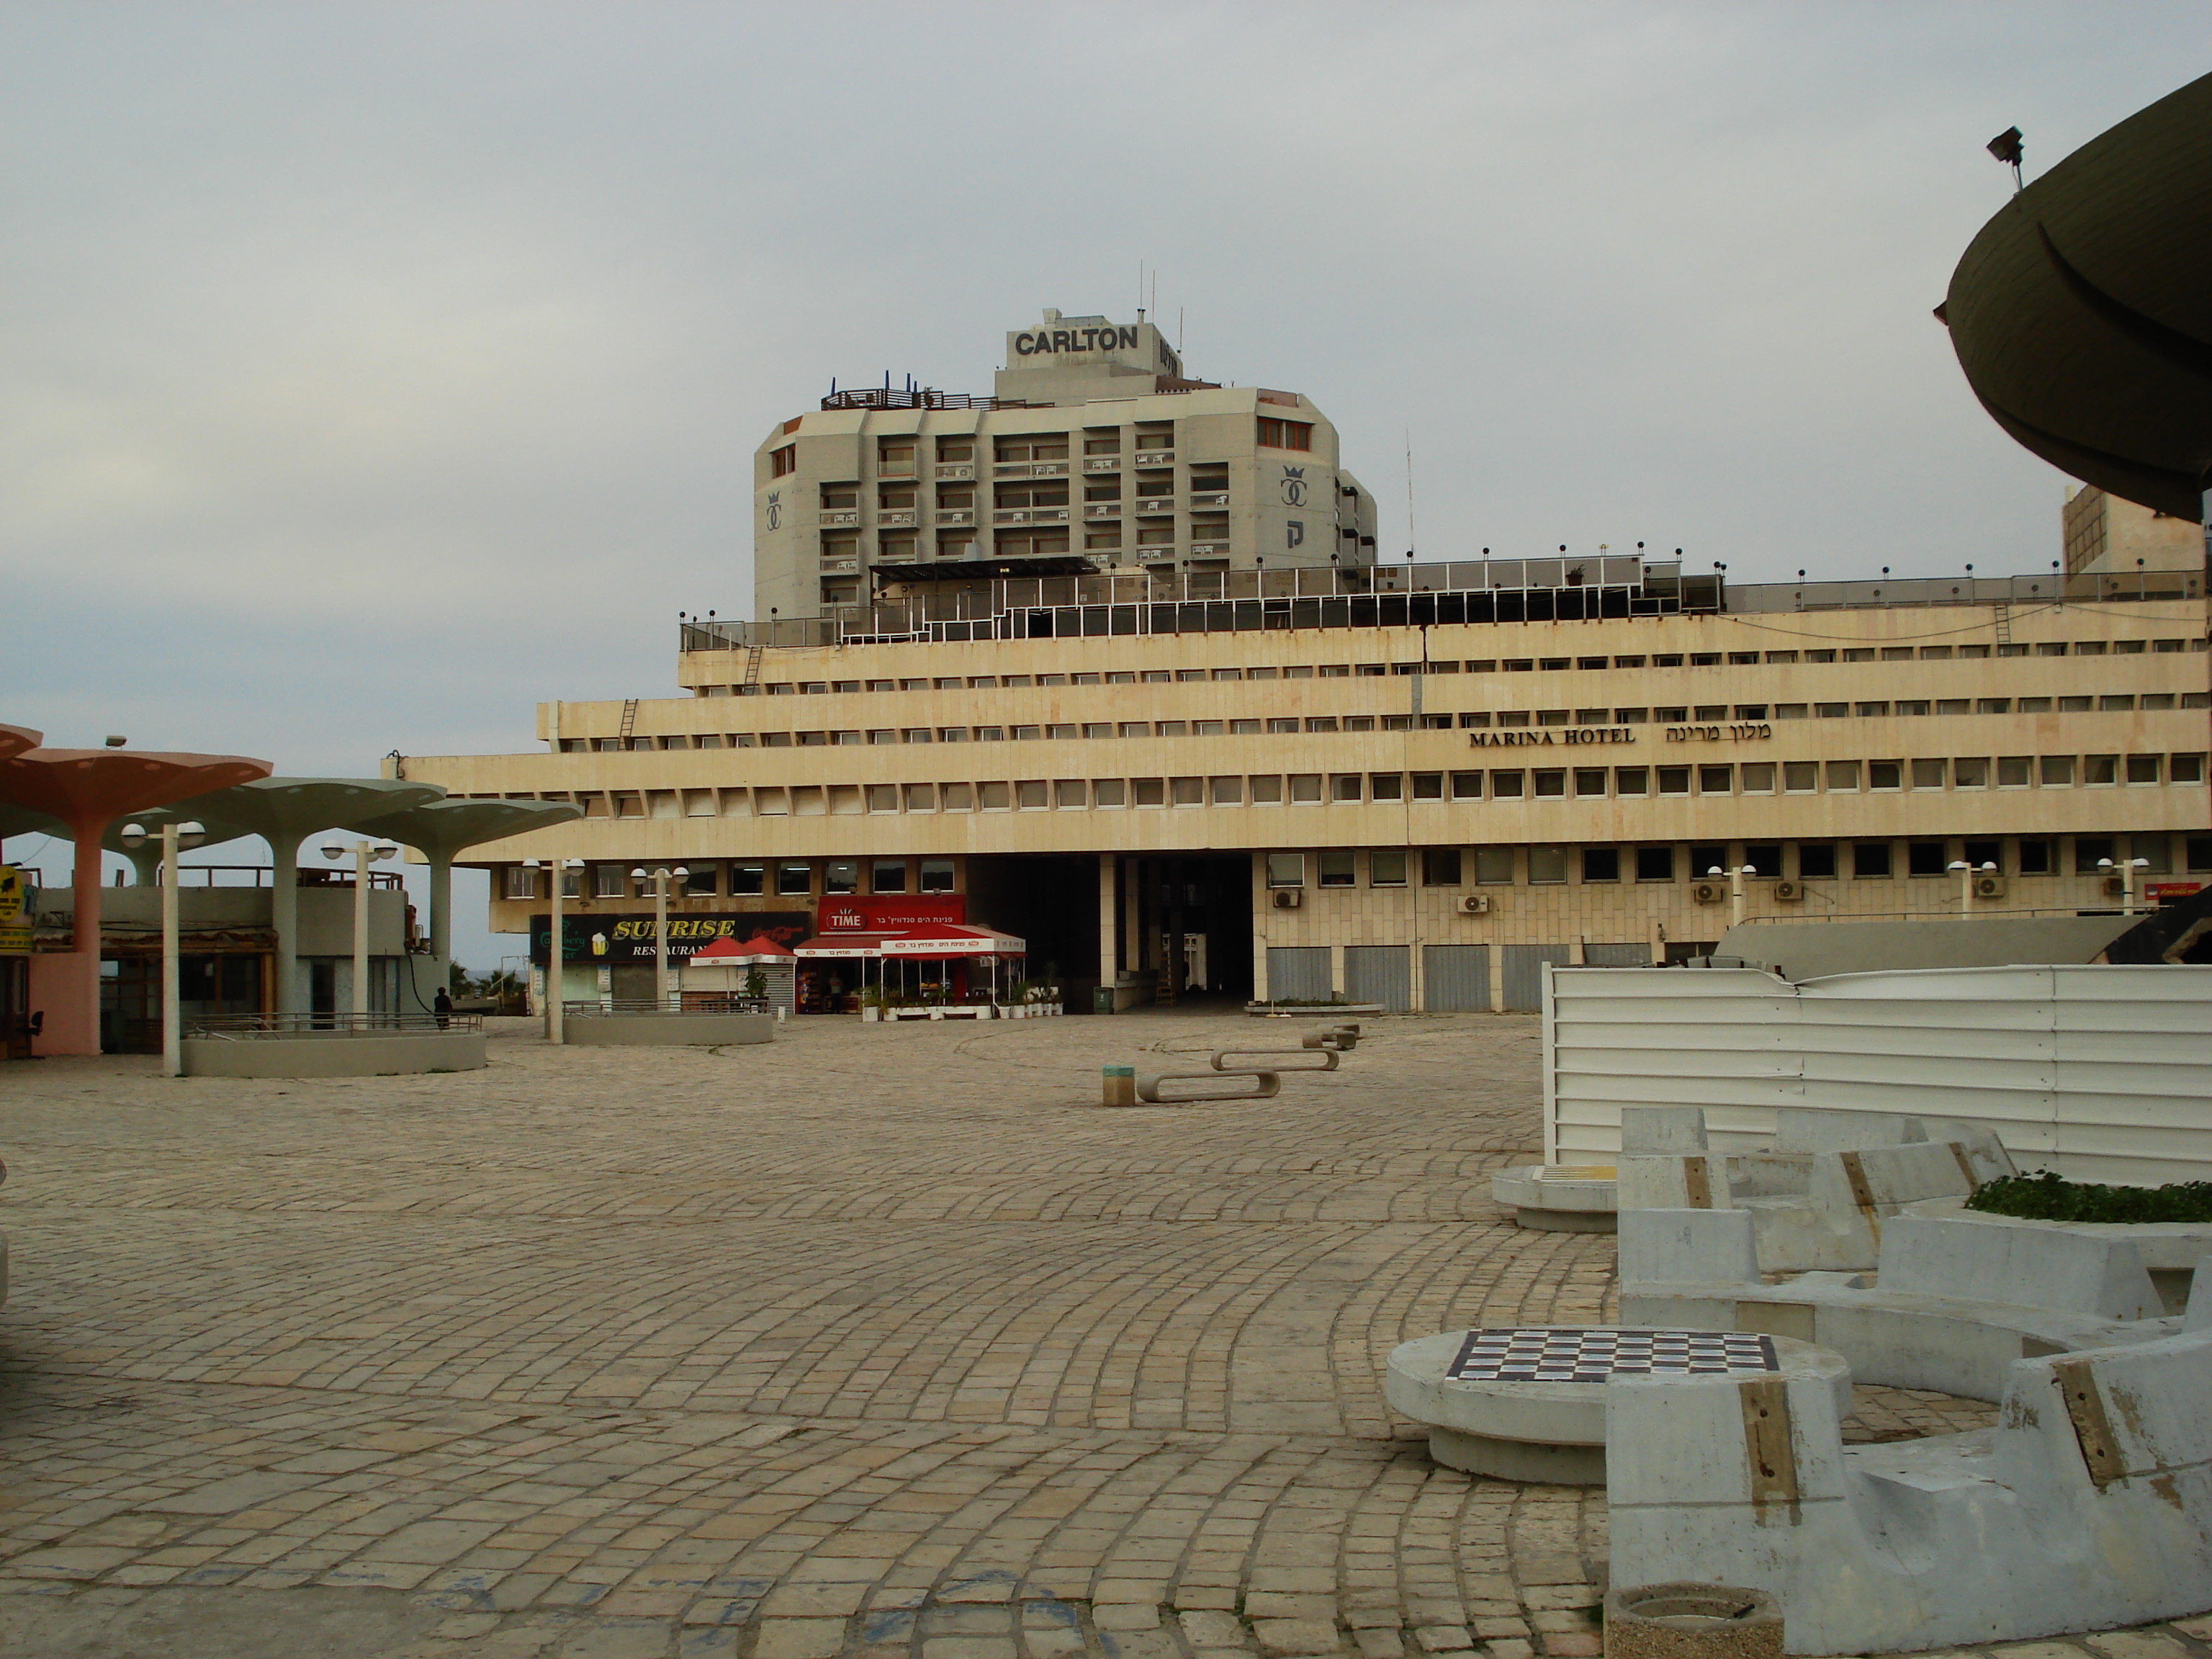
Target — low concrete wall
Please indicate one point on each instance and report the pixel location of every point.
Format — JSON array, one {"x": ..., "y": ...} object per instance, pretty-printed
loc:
[
  {"x": 706, "y": 1029},
  {"x": 335, "y": 1054}
]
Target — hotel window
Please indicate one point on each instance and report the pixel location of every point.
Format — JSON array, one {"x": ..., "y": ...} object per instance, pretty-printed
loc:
[
  {"x": 1109, "y": 792},
  {"x": 1674, "y": 780},
  {"x": 1174, "y": 728},
  {"x": 1286, "y": 869},
  {"x": 783, "y": 462},
  {"x": 1630, "y": 716},
  {"x": 1740, "y": 659},
  {"x": 1842, "y": 775},
  {"x": 1780, "y": 656},
  {"x": 1267, "y": 789},
  {"x": 1715, "y": 780},
  {"x": 1282, "y": 723},
  {"x": 2151, "y": 700},
  {"x": 1758, "y": 778},
  {"x": 2089, "y": 647},
  {"x": 1305, "y": 787},
  {"x": 1971, "y": 771},
  {"x": 1872, "y": 710},
  {"x": 1284, "y": 435},
  {"x": 1593, "y": 716},
  {"x": 994, "y": 797},
  {"x": 959, "y": 797},
  {"x": 2143, "y": 769},
  {"x": 1397, "y": 722},
  {"x": 1912, "y": 705},
  {"x": 1765, "y": 859},
  {"x": 1121, "y": 676},
  {"x": 1243, "y": 728},
  {"x": 1030, "y": 795},
  {"x": 1820, "y": 656},
  {"x": 1628, "y": 662},
  {"x": 2088, "y": 850},
  {"x": 520, "y": 882},
  {"x": 1928, "y": 774},
  {"x": 1428, "y": 786},
  {"x": 1136, "y": 728},
  {"x": 1707, "y": 861},
  {"x": 2185, "y": 769},
  {"x": 1345, "y": 785},
  {"x": 1071, "y": 792},
  {"x": 921, "y": 798},
  {"x": 1924, "y": 858},
  {"x": 1440, "y": 866},
  {"x": 1187, "y": 792},
  {"x": 1098, "y": 729},
  {"x": 883, "y": 797},
  {"x": 1993, "y": 705},
  {"x": 990, "y": 734},
  {"x": 2155, "y": 851},
  {"x": 1548, "y": 865},
  {"x": 1870, "y": 860},
  {"x": 1028, "y": 734},
  {"x": 1858, "y": 653},
  {"x": 2121, "y": 702},
  {"x": 2013, "y": 771},
  {"x": 1667, "y": 659},
  {"x": 1506, "y": 786},
  {"x": 840, "y": 877},
  {"x": 1060, "y": 733},
  {"x": 2097, "y": 769},
  {"x": 700, "y": 882},
  {"x": 937, "y": 875},
  {"x": 1386, "y": 785},
  {"x": 1831, "y": 711},
  {"x": 1632, "y": 780},
  {"x": 1591, "y": 662},
  {"x": 794, "y": 880},
  {"x": 610, "y": 881},
  {"x": 1205, "y": 728},
  {"x": 1359, "y": 722},
  {"x": 1590, "y": 781},
  {"x": 1981, "y": 853},
  {"x": 1885, "y": 774},
  {"x": 1750, "y": 711},
  {"x": 1705, "y": 659},
  {"x": 1600, "y": 864},
  {"x": 1467, "y": 786},
  {"x": 1386, "y": 867},
  {"x": 1655, "y": 863},
  {"x": 748, "y": 880},
  {"x": 1816, "y": 861},
  {"x": 887, "y": 876},
  {"x": 1514, "y": 717},
  {"x": 2075, "y": 705},
  {"x": 1227, "y": 792},
  {"x": 1336, "y": 869},
  {"x": 1671, "y": 716},
  {"x": 1493, "y": 866},
  {"x": 1552, "y": 716},
  {"x": 2057, "y": 769},
  {"x": 1551, "y": 783}
]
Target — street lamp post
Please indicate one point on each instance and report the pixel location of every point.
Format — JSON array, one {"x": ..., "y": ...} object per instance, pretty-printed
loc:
[
  {"x": 1735, "y": 875},
  {"x": 660, "y": 879},
  {"x": 556, "y": 966},
  {"x": 175, "y": 838},
  {"x": 2127, "y": 868},
  {"x": 364, "y": 853}
]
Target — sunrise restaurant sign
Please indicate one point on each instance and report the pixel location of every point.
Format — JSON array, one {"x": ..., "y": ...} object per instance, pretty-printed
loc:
[{"x": 600, "y": 941}]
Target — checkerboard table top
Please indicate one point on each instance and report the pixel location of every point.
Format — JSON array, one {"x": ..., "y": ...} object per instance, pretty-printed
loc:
[{"x": 1540, "y": 1353}]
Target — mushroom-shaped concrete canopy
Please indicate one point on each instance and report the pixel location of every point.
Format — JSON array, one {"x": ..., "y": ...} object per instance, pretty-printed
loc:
[
  {"x": 87, "y": 789},
  {"x": 443, "y": 828},
  {"x": 2082, "y": 312},
  {"x": 15, "y": 739},
  {"x": 284, "y": 811},
  {"x": 22, "y": 821},
  {"x": 146, "y": 857}
]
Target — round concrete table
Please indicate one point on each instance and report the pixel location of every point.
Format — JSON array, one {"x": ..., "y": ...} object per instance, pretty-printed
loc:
[
  {"x": 1560, "y": 1198},
  {"x": 1527, "y": 1403}
]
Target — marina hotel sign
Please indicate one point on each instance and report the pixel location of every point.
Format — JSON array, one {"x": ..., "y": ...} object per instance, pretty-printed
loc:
[{"x": 1740, "y": 732}]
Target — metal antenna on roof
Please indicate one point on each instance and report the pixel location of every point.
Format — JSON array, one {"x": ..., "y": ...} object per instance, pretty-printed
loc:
[{"x": 1410, "y": 543}]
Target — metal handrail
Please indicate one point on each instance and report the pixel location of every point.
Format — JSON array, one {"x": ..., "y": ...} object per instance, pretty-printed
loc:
[
  {"x": 248, "y": 1027},
  {"x": 688, "y": 1002}
]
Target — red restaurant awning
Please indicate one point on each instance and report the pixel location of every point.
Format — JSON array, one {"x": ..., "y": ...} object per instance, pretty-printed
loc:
[{"x": 924, "y": 940}]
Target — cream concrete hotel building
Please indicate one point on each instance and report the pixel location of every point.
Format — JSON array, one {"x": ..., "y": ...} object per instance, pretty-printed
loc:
[{"x": 1108, "y": 661}]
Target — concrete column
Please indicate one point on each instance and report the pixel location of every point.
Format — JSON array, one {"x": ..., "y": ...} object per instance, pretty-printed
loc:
[
  {"x": 1109, "y": 916},
  {"x": 1133, "y": 882},
  {"x": 284, "y": 915},
  {"x": 442, "y": 918}
]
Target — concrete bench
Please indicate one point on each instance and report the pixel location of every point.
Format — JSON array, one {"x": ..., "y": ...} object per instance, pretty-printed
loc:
[
  {"x": 2088, "y": 1507},
  {"x": 1260, "y": 1085},
  {"x": 1527, "y": 1403},
  {"x": 1953, "y": 1307},
  {"x": 1565, "y": 1198}
]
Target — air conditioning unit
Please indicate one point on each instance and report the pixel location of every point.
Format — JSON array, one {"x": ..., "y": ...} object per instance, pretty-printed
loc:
[
  {"x": 1288, "y": 898},
  {"x": 1988, "y": 887},
  {"x": 2115, "y": 887},
  {"x": 1709, "y": 892},
  {"x": 1788, "y": 892},
  {"x": 1475, "y": 904}
]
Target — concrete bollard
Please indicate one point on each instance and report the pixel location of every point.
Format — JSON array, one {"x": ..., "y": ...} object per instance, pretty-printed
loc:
[
  {"x": 1121, "y": 1085},
  {"x": 1692, "y": 1621}
]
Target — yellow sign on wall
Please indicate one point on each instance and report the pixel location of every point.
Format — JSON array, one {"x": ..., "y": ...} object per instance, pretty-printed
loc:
[{"x": 14, "y": 913}]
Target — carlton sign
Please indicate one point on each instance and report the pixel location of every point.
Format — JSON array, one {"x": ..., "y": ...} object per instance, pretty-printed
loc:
[{"x": 1115, "y": 337}]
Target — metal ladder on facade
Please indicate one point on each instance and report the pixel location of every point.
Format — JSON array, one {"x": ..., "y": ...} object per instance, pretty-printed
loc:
[
  {"x": 629, "y": 720},
  {"x": 2004, "y": 621},
  {"x": 753, "y": 667}
]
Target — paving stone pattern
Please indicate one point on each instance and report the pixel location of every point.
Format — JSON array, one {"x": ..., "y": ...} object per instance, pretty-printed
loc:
[{"x": 885, "y": 1341}]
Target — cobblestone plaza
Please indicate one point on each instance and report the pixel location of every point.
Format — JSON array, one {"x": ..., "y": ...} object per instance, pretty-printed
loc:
[{"x": 883, "y": 1340}]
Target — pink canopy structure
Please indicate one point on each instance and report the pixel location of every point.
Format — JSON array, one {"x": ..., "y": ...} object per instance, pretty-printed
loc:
[
  {"x": 728, "y": 953},
  {"x": 87, "y": 789},
  {"x": 15, "y": 739}
]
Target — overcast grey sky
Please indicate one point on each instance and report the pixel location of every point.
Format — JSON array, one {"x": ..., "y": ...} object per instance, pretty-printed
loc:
[{"x": 372, "y": 372}]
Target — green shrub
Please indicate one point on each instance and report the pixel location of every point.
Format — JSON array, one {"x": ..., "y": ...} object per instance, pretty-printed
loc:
[{"x": 2044, "y": 1197}]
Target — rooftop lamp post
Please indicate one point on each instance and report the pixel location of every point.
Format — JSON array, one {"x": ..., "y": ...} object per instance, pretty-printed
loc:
[
  {"x": 2127, "y": 868},
  {"x": 660, "y": 879},
  {"x": 1735, "y": 876},
  {"x": 364, "y": 853},
  {"x": 172, "y": 838},
  {"x": 1966, "y": 874},
  {"x": 556, "y": 1033}
]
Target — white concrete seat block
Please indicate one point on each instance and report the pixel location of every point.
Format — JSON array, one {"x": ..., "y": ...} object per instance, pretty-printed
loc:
[
  {"x": 2199, "y": 1315},
  {"x": 2089, "y": 1506},
  {"x": 1648, "y": 1181},
  {"x": 1822, "y": 1130},
  {"x": 1927, "y": 1255},
  {"x": 1662, "y": 1129},
  {"x": 1676, "y": 1247}
]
